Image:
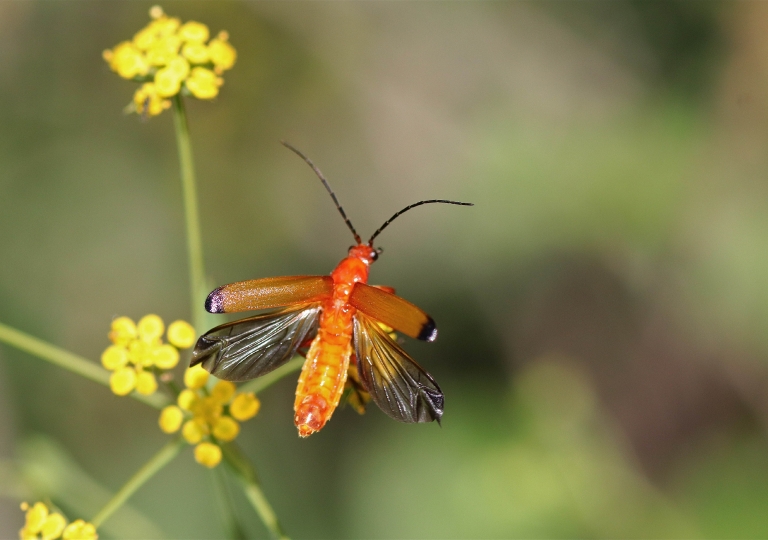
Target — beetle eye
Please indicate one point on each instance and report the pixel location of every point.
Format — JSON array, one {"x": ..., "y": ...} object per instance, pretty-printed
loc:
[{"x": 374, "y": 254}]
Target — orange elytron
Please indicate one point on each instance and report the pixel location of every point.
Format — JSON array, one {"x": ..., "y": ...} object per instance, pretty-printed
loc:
[{"x": 342, "y": 320}]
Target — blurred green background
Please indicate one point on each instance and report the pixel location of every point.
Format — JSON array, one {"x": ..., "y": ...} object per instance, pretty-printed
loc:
[{"x": 602, "y": 309}]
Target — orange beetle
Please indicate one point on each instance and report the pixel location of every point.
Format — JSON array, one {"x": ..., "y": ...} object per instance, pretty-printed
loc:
[{"x": 340, "y": 317}]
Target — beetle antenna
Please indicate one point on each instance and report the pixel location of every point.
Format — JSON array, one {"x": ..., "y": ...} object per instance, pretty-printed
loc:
[
  {"x": 327, "y": 187},
  {"x": 414, "y": 205}
]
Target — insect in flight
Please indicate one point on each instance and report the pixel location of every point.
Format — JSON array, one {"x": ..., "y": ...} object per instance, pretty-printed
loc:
[{"x": 342, "y": 320}]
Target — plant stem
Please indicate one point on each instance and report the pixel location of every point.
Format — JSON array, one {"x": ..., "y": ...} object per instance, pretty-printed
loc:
[
  {"x": 247, "y": 476},
  {"x": 158, "y": 461},
  {"x": 265, "y": 381},
  {"x": 69, "y": 361},
  {"x": 191, "y": 214}
]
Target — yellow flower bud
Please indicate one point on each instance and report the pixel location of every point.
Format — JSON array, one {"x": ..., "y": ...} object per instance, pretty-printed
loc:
[
  {"x": 167, "y": 82},
  {"x": 170, "y": 419},
  {"x": 35, "y": 518},
  {"x": 155, "y": 12},
  {"x": 53, "y": 526},
  {"x": 146, "y": 100},
  {"x": 114, "y": 357},
  {"x": 221, "y": 53},
  {"x": 244, "y": 406},
  {"x": 145, "y": 38},
  {"x": 123, "y": 381},
  {"x": 187, "y": 399},
  {"x": 226, "y": 429},
  {"x": 181, "y": 334},
  {"x": 80, "y": 530},
  {"x": 146, "y": 383},
  {"x": 165, "y": 357},
  {"x": 150, "y": 327},
  {"x": 203, "y": 83},
  {"x": 208, "y": 409},
  {"x": 208, "y": 454},
  {"x": 140, "y": 353},
  {"x": 126, "y": 60},
  {"x": 193, "y": 431},
  {"x": 123, "y": 330},
  {"x": 195, "y": 52},
  {"x": 223, "y": 391},
  {"x": 195, "y": 377},
  {"x": 194, "y": 31}
]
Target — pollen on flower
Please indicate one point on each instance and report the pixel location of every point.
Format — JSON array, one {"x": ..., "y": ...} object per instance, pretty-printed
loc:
[
  {"x": 208, "y": 454},
  {"x": 181, "y": 334},
  {"x": 244, "y": 406},
  {"x": 171, "y": 418},
  {"x": 164, "y": 56}
]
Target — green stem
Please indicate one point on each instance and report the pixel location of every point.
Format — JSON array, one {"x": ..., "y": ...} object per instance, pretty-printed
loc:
[
  {"x": 158, "y": 461},
  {"x": 69, "y": 361},
  {"x": 246, "y": 474},
  {"x": 226, "y": 507},
  {"x": 191, "y": 214},
  {"x": 265, "y": 381}
]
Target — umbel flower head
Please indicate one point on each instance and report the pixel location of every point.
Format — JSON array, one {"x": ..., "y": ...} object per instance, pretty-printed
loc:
[
  {"x": 207, "y": 418},
  {"x": 40, "y": 523},
  {"x": 171, "y": 58},
  {"x": 138, "y": 351}
]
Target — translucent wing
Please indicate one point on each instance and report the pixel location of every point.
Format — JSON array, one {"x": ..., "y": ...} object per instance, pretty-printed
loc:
[
  {"x": 397, "y": 384},
  {"x": 245, "y": 349}
]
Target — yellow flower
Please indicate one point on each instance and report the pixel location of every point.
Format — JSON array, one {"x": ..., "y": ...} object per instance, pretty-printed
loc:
[
  {"x": 123, "y": 331},
  {"x": 181, "y": 334},
  {"x": 195, "y": 377},
  {"x": 165, "y": 357},
  {"x": 146, "y": 383},
  {"x": 223, "y": 391},
  {"x": 160, "y": 55},
  {"x": 244, "y": 406},
  {"x": 226, "y": 429},
  {"x": 123, "y": 381},
  {"x": 114, "y": 357},
  {"x": 203, "y": 83},
  {"x": 194, "y": 31},
  {"x": 208, "y": 454},
  {"x": 187, "y": 399},
  {"x": 126, "y": 60},
  {"x": 80, "y": 530},
  {"x": 150, "y": 328},
  {"x": 40, "y": 523},
  {"x": 221, "y": 53},
  {"x": 196, "y": 52},
  {"x": 171, "y": 418},
  {"x": 193, "y": 431}
]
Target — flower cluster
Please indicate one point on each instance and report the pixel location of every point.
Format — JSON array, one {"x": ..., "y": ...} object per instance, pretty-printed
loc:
[
  {"x": 138, "y": 350},
  {"x": 171, "y": 58},
  {"x": 207, "y": 418},
  {"x": 42, "y": 524}
]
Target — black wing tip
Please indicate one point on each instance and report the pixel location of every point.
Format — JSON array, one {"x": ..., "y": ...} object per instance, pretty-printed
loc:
[
  {"x": 428, "y": 331},
  {"x": 215, "y": 303}
]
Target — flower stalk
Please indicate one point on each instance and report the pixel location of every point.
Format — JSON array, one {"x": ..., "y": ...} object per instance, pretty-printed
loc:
[
  {"x": 246, "y": 474},
  {"x": 158, "y": 461},
  {"x": 69, "y": 361},
  {"x": 191, "y": 214}
]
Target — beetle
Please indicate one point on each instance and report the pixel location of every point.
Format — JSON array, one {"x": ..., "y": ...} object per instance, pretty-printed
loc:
[{"x": 342, "y": 319}]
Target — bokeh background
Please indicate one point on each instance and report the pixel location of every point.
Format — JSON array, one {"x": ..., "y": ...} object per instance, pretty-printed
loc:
[{"x": 603, "y": 309}]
